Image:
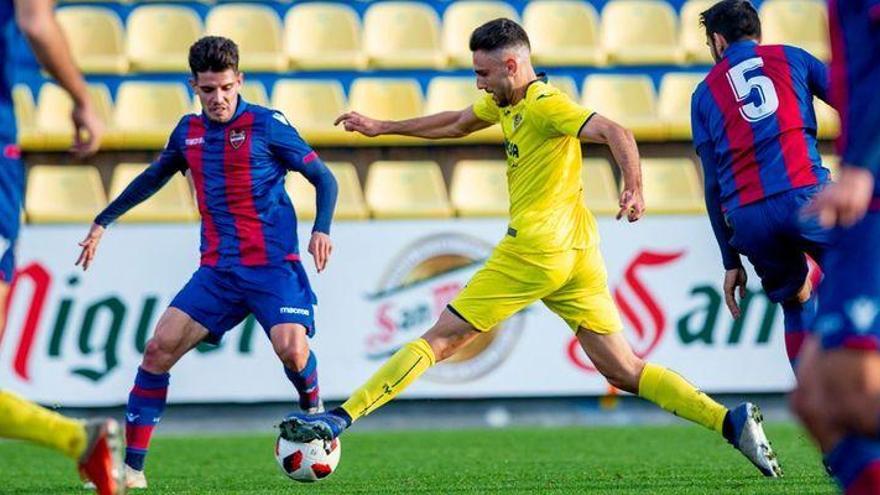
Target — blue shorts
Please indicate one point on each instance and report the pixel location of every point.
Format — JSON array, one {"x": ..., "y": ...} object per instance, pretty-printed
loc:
[
  {"x": 220, "y": 299},
  {"x": 11, "y": 192},
  {"x": 849, "y": 297},
  {"x": 775, "y": 238}
]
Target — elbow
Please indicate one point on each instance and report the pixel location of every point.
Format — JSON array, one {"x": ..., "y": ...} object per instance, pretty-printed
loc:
[{"x": 33, "y": 27}]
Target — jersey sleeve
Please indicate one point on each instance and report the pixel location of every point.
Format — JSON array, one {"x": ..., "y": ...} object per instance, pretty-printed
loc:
[
  {"x": 286, "y": 144},
  {"x": 817, "y": 75},
  {"x": 557, "y": 114},
  {"x": 698, "y": 122},
  {"x": 486, "y": 109}
]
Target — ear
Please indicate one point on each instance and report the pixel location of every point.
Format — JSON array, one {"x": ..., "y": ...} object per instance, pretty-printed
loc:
[
  {"x": 192, "y": 83},
  {"x": 720, "y": 42},
  {"x": 240, "y": 78},
  {"x": 511, "y": 65}
]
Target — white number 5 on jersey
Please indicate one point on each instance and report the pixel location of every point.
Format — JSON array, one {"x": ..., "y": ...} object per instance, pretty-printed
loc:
[{"x": 742, "y": 87}]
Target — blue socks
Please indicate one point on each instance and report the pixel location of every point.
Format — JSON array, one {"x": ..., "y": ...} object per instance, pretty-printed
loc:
[
  {"x": 797, "y": 318},
  {"x": 146, "y": 402},
  {"x": 306, "y": 382}
]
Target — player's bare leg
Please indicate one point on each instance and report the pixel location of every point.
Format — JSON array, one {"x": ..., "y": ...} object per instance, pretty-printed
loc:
[
  {"x": 176, "y": 334},
  {"x": 444, "y": 339},
  {"x": 291, "y": 345},
  {"x": 614, "y": 358},
  {"x": 808, "y": 402}
]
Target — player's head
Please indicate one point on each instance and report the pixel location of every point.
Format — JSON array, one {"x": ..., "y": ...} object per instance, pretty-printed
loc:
[
  {"x": 730, "y": 21},
  {"x": 216, "y": 80},
  {"x": 501, "y": 52}
]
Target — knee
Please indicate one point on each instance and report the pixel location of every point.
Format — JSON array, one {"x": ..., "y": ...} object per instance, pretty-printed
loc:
[
  {"x": 158, "y": 356},
  {"x": 295, "y": 355},
  {"x": 624, "y": 375},
  {"x": 803, "y": 405}
]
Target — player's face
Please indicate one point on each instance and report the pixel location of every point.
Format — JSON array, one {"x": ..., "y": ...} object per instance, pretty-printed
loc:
[
  {"x": 218, "y": 93},
  {"x": 494, "y": 76}
]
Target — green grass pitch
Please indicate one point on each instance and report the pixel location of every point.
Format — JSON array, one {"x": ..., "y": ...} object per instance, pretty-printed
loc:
[{"x": 618, "y": 460}]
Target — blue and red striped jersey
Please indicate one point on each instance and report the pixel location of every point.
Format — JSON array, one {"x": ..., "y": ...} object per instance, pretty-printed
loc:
[
  {"x": 7, "y": 114},
  {"x": 755, "y": 112},
  {"x": 238, "y": 169},
  {"x": 855, "y": 80}
]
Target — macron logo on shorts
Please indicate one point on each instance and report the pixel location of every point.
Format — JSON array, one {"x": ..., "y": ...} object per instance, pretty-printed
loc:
[{"x": 287, "y": 310}]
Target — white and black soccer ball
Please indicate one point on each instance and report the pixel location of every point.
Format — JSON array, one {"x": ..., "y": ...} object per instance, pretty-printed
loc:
[{"x": 310, "y": 461}]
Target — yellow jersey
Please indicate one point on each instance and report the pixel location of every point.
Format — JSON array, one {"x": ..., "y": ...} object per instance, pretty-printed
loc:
[{"x": 547, "y": 212}]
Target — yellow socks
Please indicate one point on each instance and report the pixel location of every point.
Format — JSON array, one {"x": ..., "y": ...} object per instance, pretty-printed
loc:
[
  {"x": 673, "y": 393},
  {"x": 24, "y": 420},
  {"x": 396, "y": 374}
]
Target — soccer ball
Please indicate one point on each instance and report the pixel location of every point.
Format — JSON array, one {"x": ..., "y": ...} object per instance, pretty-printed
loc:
[{"x": 310, "y": 461}]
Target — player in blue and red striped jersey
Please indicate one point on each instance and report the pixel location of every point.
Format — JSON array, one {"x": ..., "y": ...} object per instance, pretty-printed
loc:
[
  {"x": 838, "y": 396},
  {"x": 238, "y": 155},
  {"x": 754, "y": 128}
]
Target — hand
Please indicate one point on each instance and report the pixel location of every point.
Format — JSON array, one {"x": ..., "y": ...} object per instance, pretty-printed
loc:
[
  {"x": 353, "y": 121},
  {"x": 320, "y": 247},
  {"x": 632, "y": 204},
  {"x": 733, "y": 279},
  {"x": 87, "y": 131},
  {"x": 844, "y": 202},
  {"x": 89, "y": 246}
]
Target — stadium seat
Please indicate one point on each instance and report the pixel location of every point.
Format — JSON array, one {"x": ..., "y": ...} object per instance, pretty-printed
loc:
[
  {"x": 64, "y": 193},
  {"x": 146, "y": 112},
  {"x": 693, "y": 35},
  {"x": 802, "y": 23},
  {"x": 251, "y": 91},
  {"x": 25, "y": 115},
  {"x": 459, "y": 21},
  {"x": 627, "y": 99},
  {"x": 565, "y": 84},
  {"x": 159, "y": 37},
  {"x": 350, "y": 200},
  {"x": 457, "y": 93},
  {"x": 563, "y": 33},
  {"x": 832, "y": 163},
  {"x": 321, "y": 36},
  {"x": 407, "y": 190},
  {"x": 674, "y": 103},
  {"x": 828, "y": 120},
  {"x": 672, "y": 185},
  {"x": 403, "y": 35},
  {"x": 640, "y": 32},
  {"x": 601, "y": 194},
  {"x": 173, "y": 203},
  {"x": 479, "y": 188},
  {"x": 53, "y": 124},
  {"x": 95, "y": 36},
  {"x": 386, "y": 99},
  {"x": 257, "y": 31},
  {"x": 312, "y": 106}
]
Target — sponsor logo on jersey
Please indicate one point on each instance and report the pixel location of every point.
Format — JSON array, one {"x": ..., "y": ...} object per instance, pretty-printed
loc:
[{"x": 195, "y": 141}]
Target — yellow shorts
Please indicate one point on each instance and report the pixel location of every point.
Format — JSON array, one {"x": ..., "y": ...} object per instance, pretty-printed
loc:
[{"x": 573, "y": 284}]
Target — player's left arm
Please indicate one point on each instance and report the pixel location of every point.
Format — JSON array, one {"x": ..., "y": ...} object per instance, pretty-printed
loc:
[
  {"x": 295, "y": 154},
  {"x": 817, "y": 77}
]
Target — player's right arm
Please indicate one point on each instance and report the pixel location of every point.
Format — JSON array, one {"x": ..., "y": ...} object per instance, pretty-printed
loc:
[
  {"x": 36, "y": 20},
  {"x": 451, "y": 124},
  {"x": 143, "y": 186}
]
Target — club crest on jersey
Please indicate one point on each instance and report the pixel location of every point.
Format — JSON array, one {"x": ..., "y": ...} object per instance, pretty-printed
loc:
[
  {"x": 236, "y": 138},
  {"x": 517, "y": 120}
]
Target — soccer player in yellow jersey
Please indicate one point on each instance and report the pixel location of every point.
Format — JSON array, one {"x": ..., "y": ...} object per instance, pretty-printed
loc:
[{"x": 550, "y": 252}]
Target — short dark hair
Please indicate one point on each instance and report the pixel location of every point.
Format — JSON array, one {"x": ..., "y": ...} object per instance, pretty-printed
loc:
[
  {"x": 213, "y": 54},
  {"x": 499, "y": 33},
  {"x": 733, "y": 19}
]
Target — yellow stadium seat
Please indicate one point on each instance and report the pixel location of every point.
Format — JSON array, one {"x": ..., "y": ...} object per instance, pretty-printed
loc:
[
  {"x": 628, "y": 100},
  {"x": 832, "y": 163},
  {"x": 828, "y": 120},
  {"x": 563, "y": 33},
  {"x": 159, "y": 37},
  {"x": 53, "y": 124},
  {"x": 146, "y": 112},
  {"x": 324, "y": 36},
  {"x": 674, "y": 103},
  {"x": 312, "y": 106},
  {"x": 693, "y": 34},
  {"x": 173, "y": 203},
  {"x": 459, "y": 21},
  {"x": 407, "y": 190},
  {"x": 349, "y": 202},
  {"x": 386, "y": 99},
  {"x": 479, "y": 188},
  {"x": 457, "y": 93},
  {"x": 641, "y": 32},
  {"x": 672, "y": 185},
  {"x": 565, "y": 84},
  {"x": 601, "y": 194},
  {"x": 257, "y": 31},
  {"x": 802, "y": 23},
  {"x": 25, "y": 115},
  {"x": 64, "y": 193},
  {"x": 403, "y": 35},
  {"x": 252, "y": 91},
  {"x": 96, "y": 39}
]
